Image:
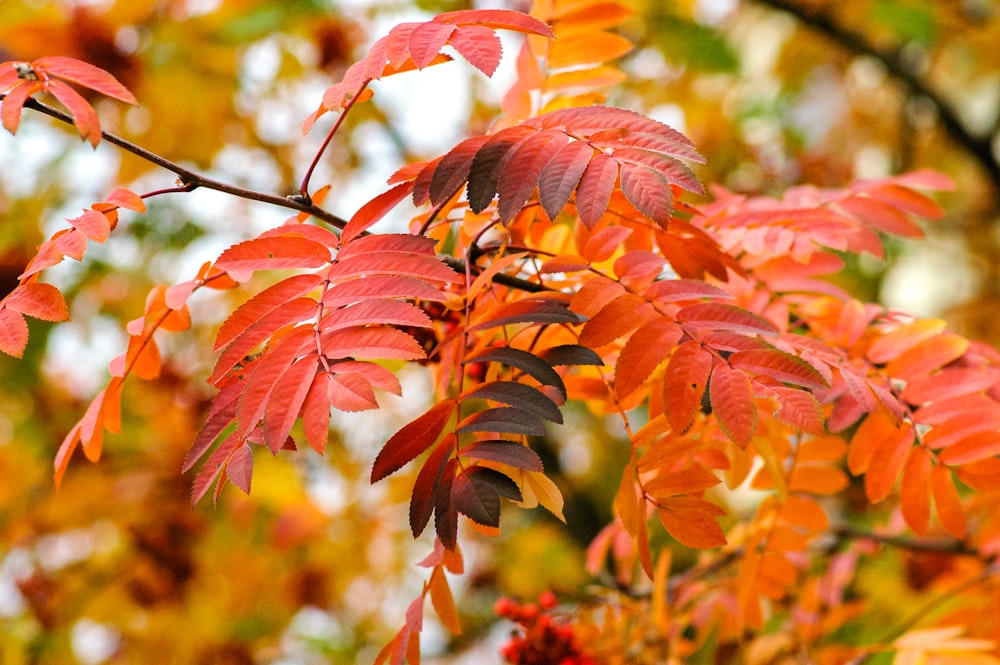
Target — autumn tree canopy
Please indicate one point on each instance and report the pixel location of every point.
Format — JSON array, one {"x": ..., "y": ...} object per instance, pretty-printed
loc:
[{"x": 587, "y": 367}]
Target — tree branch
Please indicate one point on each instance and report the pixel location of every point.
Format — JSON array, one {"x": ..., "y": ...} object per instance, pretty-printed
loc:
[
  {"x": 937, "y": 545},
  {"x": 191, "y": 179},
  {"x": 980, "y": 148}
]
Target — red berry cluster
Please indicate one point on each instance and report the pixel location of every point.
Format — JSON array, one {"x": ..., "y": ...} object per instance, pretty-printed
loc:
[{"x": 541, "y": 640}]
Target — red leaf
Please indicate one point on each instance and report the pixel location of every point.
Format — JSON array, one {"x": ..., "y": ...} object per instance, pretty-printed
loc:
[
  {"x": 949, "y": 382},
  {"x": 673, "y": 290},
  {"x": 273, "y": 254},
  {"x": 720, "y": 316},
  {"x": 616, "y": 319},
  {"x": 479, "y": 45},
  {"x": 221, "y": 413},
  {"x": 265, "y": 377},
  {"x": 316, "y": 414},
  {"x": 524, "y": 361},
  {"x": 560, "y": 176},
  {"x": 476, "y": 494},
  {"x": 593, "y": 119},
  {"x": 372, "y": 312},
  {"x": 503, "y": 419},
  {"x": 779, "y": 365},
  {"x": 504, "y": 19},
  {"x": 506, "y": 452},
  {"x": 527, "y": 310},
  {"x": 637, "y": 268},
  {"x": 907, "y": 200},
  {"x": 285, "y": 401},
  {"x": 484, "y": 173},
  {"x": 881, "y": 215},
  {"x": 426, "y": 41},
  {"x": 733, "y": 405},
  {"x": 529, "y": 157},
  {"x": 571, "y": 354},
  {"x": 684, "y": 384},
  {"x": 445, "y": 513},
  {"x": 84, "y": 116},
  {"x": 425, "y": 488},
  {"x": 397, "y": 44},
  {"x": 380, "y": 287},
  {"x": 619, "y": 138},
  {"x": 239, "y": 468},
  {"x": 604, "y": 243},
  {"x": 293, "y": 311},
  {"x": 518, "y": 395},
  {"x": 86, "y": 75},
  {"x": 374, "y": 343},
  {"x": 37, "y": 300},
  {"x": 13, "y": 332},
  {"x": 375, "y": 374},
  {"x": 799, "y": 409},
  {"x": 453, "y": 169},
  {"x": 392, "y": 263},
  {"x": 375, "y": 210},
  {"x": 214, "y": 466},
  {"x": 262, "y": 304},
  {"x": 643, "y": 352},
  {"x": 388, "y": 243},
  {"x": 350, "y": 392},
  {"x": 594, "y": 191},
  {"x": 413, "y": 439},
  {"x": 672, "y": 170}
]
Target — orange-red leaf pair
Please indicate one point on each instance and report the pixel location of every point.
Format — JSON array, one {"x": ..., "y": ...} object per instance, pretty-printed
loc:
[{"x": 21, "y": 80}]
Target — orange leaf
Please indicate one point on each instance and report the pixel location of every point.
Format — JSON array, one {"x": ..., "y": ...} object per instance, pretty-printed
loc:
[
  {"x": 886, "y": 462},
  {"x": 927, "y": 356},
  {"x": 904, "y": 337},
  {"x": 947, "y": 502},
  {"x": 587, "y": 48},
  {"x": 443, "y": 601},
  {"x": 825, "y": 480},
  {"x": 273, "y": 254},
  {"x": 13, "y": 332},
  {"x": 616, "y": 319},
  {"x": 413, "y": 439},
  {"x": 915, "y": 490},
  {"x": 126, "y": 198},
  {"x": 37, "y": 300},
  {"x": 692, "y": 522},
  {"x": 684, "y": 384},
  {"x": 643, "y": 352},
  {"x": 732, "y": 399}
]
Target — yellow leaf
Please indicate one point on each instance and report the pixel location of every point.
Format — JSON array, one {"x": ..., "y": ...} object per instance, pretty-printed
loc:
[{"x": 542, "y": 491}]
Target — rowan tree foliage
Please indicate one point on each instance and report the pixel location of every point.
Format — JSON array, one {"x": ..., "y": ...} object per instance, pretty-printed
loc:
[{"x": 768, "y": 444}]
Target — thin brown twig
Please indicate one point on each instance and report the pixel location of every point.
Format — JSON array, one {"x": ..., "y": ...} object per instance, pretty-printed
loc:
[{"x": 191, "y": 180}]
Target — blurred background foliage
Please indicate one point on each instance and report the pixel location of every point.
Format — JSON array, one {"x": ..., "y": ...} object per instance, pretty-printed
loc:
[{"x": 316, "y": 566}]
